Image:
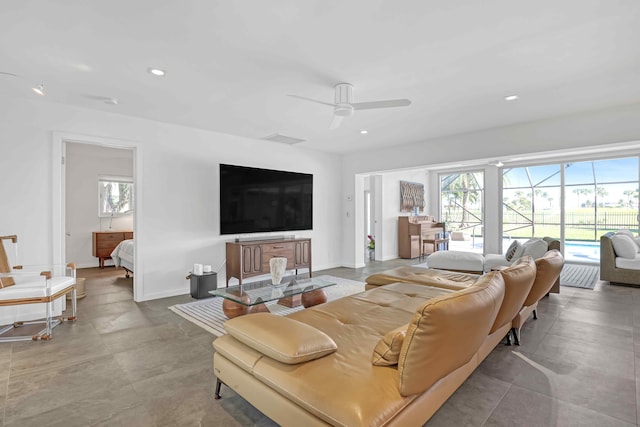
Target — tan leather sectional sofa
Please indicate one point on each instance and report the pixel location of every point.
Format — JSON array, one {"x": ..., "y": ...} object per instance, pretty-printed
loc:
[
  {"x": 390, "y": 356},
  {"x": 548, "y": 270}
]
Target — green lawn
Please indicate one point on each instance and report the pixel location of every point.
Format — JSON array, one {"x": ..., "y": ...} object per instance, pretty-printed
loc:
[{"x": 579, "y": 223}]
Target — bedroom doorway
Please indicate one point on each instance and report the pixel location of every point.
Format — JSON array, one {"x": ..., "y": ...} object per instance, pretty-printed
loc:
[
  {"x": 99, "y": 197},
  {"x": 94, "y": 208}
]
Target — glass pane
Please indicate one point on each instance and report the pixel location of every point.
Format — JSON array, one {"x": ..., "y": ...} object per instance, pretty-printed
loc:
[
  {"x": 545, "y": 176},
  {"x": 515, "y": 178},
  {"x": 461, "y": 201},
  {"x": 616, "y": 170},
  {"x": 116, "y": 198},
  {"x": 579, "y": 173},
  {"x": 532, "y": 208}
]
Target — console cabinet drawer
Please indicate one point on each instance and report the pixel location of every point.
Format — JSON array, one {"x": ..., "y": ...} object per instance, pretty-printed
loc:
[{"x": 282, "y": 250}]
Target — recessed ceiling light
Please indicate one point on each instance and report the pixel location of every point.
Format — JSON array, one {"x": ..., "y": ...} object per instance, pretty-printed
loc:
[
  {"x": 111, "y": 101},
  {"x": 511, "y": 98},
  {"x": 364, "y": 131},
  {"x": 39, "y": 89},
  {"x": 157, "y": 72}
]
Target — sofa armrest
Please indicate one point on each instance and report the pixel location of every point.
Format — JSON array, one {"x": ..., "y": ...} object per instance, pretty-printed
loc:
[
  {"x": 607, "y": 258},
  {"x": 281, "y": 338},
  {"x": 494, "y": 260}
]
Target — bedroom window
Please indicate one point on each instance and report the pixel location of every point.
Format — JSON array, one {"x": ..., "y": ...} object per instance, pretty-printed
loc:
[{"x": 115, "y": 197}]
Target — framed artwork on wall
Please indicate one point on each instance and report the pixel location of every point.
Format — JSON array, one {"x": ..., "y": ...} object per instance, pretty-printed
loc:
[{"x": 411, "y": 196}]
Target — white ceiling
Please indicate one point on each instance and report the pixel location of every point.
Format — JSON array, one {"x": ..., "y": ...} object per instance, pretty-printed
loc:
[{"x": 230, "y": 64}]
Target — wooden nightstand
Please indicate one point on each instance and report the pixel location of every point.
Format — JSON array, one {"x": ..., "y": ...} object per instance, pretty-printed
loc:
[{"x": 104, "y": 242}]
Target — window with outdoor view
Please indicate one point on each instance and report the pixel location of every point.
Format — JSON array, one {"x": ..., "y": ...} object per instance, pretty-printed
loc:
[
  {"x": 461, "y": 208},
  {"x": 115, "y": 197},
  {"x": 599, "y": 196}
]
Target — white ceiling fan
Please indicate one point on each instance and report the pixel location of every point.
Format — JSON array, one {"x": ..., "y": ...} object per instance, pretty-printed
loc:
[{"x": 344, "y": 106}]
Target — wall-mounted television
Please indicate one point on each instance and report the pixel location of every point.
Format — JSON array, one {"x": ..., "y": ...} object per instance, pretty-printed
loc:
[{"x": 256, "y": 200}]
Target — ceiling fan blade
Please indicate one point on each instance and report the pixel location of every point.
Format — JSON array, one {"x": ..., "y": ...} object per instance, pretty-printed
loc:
[
  {"x": 335, "y": 122},
  {"x": 389, "y": 103},
  {"x": 312, "y": 100}
]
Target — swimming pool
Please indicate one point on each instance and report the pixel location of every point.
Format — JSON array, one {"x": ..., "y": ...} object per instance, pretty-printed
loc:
[{"x": 574, "y": 251}]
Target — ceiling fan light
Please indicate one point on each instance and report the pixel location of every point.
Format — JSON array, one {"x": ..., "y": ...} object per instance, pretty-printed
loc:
[
  {"x": 343, "y": 110},
  {"x": 39, "y": 89}
]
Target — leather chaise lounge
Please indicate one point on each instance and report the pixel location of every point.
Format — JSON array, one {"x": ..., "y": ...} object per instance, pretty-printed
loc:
[{"x": 390, "y": 356}]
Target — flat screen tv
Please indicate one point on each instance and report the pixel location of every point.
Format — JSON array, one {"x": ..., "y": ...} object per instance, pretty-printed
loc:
[{"x": 256, "y": 200}]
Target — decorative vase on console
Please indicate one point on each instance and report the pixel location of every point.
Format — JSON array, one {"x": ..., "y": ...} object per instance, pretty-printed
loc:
[{"x": 277, "y": 266}]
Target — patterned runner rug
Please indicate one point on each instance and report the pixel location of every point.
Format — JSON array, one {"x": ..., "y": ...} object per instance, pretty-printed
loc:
[
  {"x": 579, "y": 276},
  {"x": 207, "y": 313}
]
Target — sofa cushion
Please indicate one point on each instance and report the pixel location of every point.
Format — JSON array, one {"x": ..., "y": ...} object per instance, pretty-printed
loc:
[
  {"x": 518, "y": 280},
  {"x": 628, "y": 263},
  {"x": 624, "y": 246},
  {"x": 548, "y": 270},
  {"x": 456, "y": 260},
  {"x": 387, "y": 350},
  {"x": 370, "y": 396},
  {"x": 535, "y": 248},
  {"x": 512, "y": 250},
  {"x": 492, "y": 261},
  {"x": 280, "y": 338},
  {"x": 446, "y": 332}
]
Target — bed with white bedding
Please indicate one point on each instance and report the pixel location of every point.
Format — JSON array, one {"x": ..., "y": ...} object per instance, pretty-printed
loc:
[{"x": 122, "y": 256}]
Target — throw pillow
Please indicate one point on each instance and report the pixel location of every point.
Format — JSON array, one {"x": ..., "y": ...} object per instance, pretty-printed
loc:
[
  {"x": 624, "y": 246},
  {"x": 387, "y": 351},
  {"x": 536, "y": 248},
  {"x": 625, "y": 231},
  {"x": 281, "y": 338},
  {"x": 519, "y": 252},
  {"x": 512, "y": 250},
  {"x": 637, "y": 240}
]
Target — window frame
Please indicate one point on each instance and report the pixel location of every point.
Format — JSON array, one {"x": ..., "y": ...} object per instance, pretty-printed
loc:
[{"x": 102, "y": 182}]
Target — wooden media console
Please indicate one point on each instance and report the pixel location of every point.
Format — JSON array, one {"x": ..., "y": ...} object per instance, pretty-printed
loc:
[{"x": 251, "y": 258}]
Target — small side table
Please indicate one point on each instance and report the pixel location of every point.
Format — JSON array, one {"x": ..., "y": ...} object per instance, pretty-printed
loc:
[{"x": 202, "y": 284}]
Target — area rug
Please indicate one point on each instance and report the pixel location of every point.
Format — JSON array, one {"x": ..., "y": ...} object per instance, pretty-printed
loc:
[
  {"x": 579, "y": 276},
  {"x": 208, "y": 313}
]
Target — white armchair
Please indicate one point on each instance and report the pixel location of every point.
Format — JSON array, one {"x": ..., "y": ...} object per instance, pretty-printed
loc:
[{"x": 33, "y": 295}]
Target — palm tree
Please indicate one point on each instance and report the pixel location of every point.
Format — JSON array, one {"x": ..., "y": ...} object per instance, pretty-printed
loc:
[
  {"x": 582, "y": 191},
  {"x": 601, "y": 193},
  {"x": 464, "y": 189},
  {"x": 630, "y": 194}
]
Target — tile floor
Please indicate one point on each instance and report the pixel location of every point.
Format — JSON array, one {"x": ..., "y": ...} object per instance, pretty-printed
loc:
[{"x": 128, "y": 364}]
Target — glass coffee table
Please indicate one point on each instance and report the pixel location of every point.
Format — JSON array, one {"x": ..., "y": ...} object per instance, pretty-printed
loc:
[{"x": 251, "y": 297}]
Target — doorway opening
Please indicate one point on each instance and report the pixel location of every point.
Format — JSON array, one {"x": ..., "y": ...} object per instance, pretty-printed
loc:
[
  {"x": 99, "y": 198},
  {"x": 86, "y": 170}
]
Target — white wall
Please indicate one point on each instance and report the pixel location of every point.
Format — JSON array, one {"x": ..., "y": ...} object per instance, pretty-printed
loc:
[
  {"x": 611, "y": 126},
  {"x": 84, "y": 165},
  {"x": 179, "y": 183},
  {"x": 391, "y": 207}
]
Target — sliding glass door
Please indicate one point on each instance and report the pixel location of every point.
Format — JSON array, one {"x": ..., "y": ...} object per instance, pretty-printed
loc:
[
  {"x": 600, "y": 196},
  {"x": 531, "y": 202},
  {"x": 580, "y": 201},
  {"x": 461, "y": 208}
]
